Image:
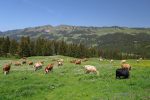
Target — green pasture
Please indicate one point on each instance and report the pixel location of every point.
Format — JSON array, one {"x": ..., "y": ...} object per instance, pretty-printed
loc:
[{"x": 69, "y": 82}]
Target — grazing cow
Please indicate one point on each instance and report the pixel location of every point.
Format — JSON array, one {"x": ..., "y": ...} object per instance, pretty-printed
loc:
[
  {"x": 6, "y": 68},
  {"x": 124, "y": 73},
  {"x": 73, "y": 61},
  {"x": 100, "y": 59},
  {"x": 30, "y": 63},
  {"x": 37, "y": 66},
  {"x": 49, "y": 68},
  {"x": 78, "y": 62},
  {"x": 60, "y": 63},
  {"x": 17, "y": 63},
  {"x": 111, "y": 61},
  {"x": 137, "y": 61},
  {"x": 90, "y": 68},
  {"x": 126, "y": 66},
  {"x": 24, "y": 62}
]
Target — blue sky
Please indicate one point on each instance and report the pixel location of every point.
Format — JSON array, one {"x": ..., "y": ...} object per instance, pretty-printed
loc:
[{"x": 15, "y": 14}]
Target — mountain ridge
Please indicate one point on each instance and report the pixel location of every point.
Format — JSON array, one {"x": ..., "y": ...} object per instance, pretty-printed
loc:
[
  {"x": 65, "y": 25},
  {"x": 106, "y": 38}
]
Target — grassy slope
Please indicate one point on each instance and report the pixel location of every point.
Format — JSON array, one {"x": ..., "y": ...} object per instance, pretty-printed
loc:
[
  {"x": 70, "y": 83},
  {"x": 59, "y": 31},
  {"x": 105, "y": 31}
]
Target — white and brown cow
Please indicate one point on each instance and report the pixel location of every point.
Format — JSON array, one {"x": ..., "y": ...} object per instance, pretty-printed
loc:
[
  {"x": 126, "y": 66},
  {"x": 17, "y": 63},
  {"x": 37, "y": 66},
  {"x": 6, "y": 68},
  {"x": 90, "y": 68},
  {"x": 78, "y": 62},
  {"x": 49, "y": 68}
]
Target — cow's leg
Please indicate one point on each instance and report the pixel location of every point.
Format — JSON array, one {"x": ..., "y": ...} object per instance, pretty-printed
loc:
[
  {"x": 117, "y": 74},
  {"x": 127, "y": 76},
  {"x": 45, "y": 72},
  {"x": 35, "y": 69},
  {"x": 87, "y": 72},
  {"x": 40, "y": 67},
  {"x": 5, "y": 72}
]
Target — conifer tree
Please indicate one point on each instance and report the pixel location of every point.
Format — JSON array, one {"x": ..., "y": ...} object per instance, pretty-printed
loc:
[
  {"x": 24, "y": 47},
  {"x": 5, "y": 46},
  {"x": 32, "y": 48},
  {"x": 13, "y": 47},
  {"x": 62, "y": 48}
]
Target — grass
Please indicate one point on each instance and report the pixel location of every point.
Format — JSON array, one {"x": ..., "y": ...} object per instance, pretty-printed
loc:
[{"x": 70, "y": 82}]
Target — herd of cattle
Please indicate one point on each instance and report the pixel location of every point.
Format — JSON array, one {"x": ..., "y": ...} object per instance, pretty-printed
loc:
[{"x": 122, "y": 72}]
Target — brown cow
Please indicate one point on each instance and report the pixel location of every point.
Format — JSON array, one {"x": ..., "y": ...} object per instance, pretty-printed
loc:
[
  {"x": 126, "y": 66},
  {"x": 6, "y": 68},
  {"x": 49, "y": 68},
  {"x": 78, "y": 62},
  {"x": 17, "y": 63},
  {"x": 30, "y": 63}
]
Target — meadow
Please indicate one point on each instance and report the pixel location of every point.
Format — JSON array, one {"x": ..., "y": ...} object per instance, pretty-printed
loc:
[{"x": 69, "y": 82}]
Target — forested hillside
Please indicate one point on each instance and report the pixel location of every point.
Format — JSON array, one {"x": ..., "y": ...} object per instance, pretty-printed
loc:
[{"x": 108, "y": 41}]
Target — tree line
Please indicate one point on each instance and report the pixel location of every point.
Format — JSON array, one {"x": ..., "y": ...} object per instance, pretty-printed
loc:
[{"x": 26, "y": 47}]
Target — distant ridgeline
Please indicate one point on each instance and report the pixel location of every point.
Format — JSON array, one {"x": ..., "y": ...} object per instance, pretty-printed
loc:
[{"x": 77, "y": 41}]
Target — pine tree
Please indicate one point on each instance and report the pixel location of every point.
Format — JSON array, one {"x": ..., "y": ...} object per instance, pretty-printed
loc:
[
  {"x": 47, "y": 49},
  {"x": 13, "y": 47},
  {"x": 24, "y": 47},
  {"x": 38, "y": 46},
  {"x": 1, "y": 42},
  {"x": 32, "y": 48},
  {"x": 5, "y": 46},
  {"x": 62, "y": 48}
]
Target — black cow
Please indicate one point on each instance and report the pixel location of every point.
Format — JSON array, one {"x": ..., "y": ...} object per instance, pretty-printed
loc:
[{"x": 124, "y": 73}]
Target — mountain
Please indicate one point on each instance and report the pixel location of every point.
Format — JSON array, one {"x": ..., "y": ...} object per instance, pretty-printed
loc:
[
  {"x": 1, "y": 32},
  {"x": 72, "y": 33},
  {"x": 108, "y": 38}
]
